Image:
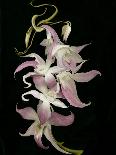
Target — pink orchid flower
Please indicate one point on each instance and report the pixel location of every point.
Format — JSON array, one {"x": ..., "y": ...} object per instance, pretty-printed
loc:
[
  {"x": 41, "y": 69},
  {"x": 37, "y": 129},
  {"x": 67, "y": 56},
  {"x": 68, "y": 86},
  {"x": 46, "y": 97}
]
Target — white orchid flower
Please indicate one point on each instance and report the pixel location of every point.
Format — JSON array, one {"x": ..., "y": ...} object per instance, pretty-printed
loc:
[
  {"x": 66, "y": 29},
  {"x": 37, "y": 129},
  {"x": 46, "y": 96}
]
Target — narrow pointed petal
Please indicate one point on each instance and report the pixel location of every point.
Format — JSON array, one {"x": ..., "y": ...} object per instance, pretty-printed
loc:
[
  {"x": 85, "y": 77},
  {"x": 52, "y": 31},
  {"x": 40, "y": 83},
  {"x": 37, "y": 58},
  {"x": 38, "y": 139},
  {"x": 34, "y": 93},
  {"x": 72, "y": 98},
  {"x": 27, "y": 113},
  {"x": 43, "y": 111},
  {"x": 60, "y": 120},
  {"x": 49, "y": 136},
  {"x": 26, "y": 76},
  {"x": 77, "y": 49},
  {"x": 58, "y": 103},
  {"x": 26, "y": 64},
  {"x": 79, "y": 66},
  {"x": 30, "y": 131}
]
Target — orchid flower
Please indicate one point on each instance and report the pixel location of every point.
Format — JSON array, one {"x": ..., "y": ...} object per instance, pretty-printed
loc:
[
  {"x": 46, "y": 97},
  {"x": 68, "y": 86},
  {"x": 41, "y": 68},
  {"x": 67, "y": 56},
  {"x": 66, "y": 29},
  {"x": 37, "y": 129}
]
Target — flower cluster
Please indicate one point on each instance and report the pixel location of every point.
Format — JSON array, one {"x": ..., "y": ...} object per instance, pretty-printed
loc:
[{"x": 52, "y": 83}]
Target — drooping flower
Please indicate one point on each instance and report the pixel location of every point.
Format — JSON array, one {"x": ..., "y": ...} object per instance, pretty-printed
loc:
[
  {"x": 41, "y": 69},
  {"x": 66, "y": 29},
  {"x": 37, "y": 129},
  {"x": 46, "y": 97},
  {"x": 68, "y": 86}
]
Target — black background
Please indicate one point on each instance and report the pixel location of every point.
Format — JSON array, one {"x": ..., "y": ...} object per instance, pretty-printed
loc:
[{"x": 94, "y": 127}]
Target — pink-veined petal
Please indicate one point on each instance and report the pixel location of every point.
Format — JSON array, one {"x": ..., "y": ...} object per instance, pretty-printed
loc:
[
  {"x": 31, "y": 130},
  {"x": 26, "y": 76},
  {"x": 26, "y": 64},
  {"x": 38, "y": 138},
  {"x": 40, "y": 83},
  {"x": 61, "y": 120},
  {"x": 58, "y": 103},
  {"x": 77, "y": 49},
  {"x": 85, "y": 77},
  {"x": 27, "y": 113},
  {"x": 34, "y": 93},
  {"x": 43, "y": 111},
  {"x": 49, "y": 136},
  {"x": 37, "y": 58}
]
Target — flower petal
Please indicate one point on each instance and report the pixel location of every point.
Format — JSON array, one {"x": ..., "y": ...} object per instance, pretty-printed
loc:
[
  {"x": 60, "y": 120},
  {"x": 38, "y": 137},
  {"x": 37, "y": 58},
  {"x": 58, "y": 103},
  {"x": 52, "y": 31},
  {"x": 26, "y": 76},
  {"x": 31, "y": 130},
  {"x": 26, "y": 64},
  {"x": 43, "y": 111},
  {"x": 49, "y": 136},
  {"x": 77, "y": 49},
  {"x": 40, "y": 83},
  {"x": 85, "y": 77},
  {"x": 35, "y": 93},
  {"x": 27, "y": 113}
]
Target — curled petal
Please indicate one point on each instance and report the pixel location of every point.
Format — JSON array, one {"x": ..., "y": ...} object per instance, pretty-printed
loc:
[
  {"x": 26, "y": 64},
  {"x": 85, "y": 77},
  {"x": 60, "y": 120},
  {"x": 52, "y": 31},
  {"x": 49, "y": 136},
  {"x": 58, "y": 103},
  {"x": 43, "y": 111},
  {"x": 27, "y": 113},
  {"x": 37, "y": 58},
  {"x": 40, "y": 83},
  {"x": 26, "y": 76},
  {"x": 38, "y": 137},
  {"x": 30, "y": 131},
  {"x": 34, "y": 93}
]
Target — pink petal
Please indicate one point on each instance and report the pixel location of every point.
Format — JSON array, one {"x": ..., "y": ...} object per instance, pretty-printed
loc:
[
  {"x": 38, "y": 59},
  {"x": 50, "y": 80},
  {"x": 44, "y": 112},
  {"x": 31, "y": 130},
  {"x": 49, "y": 136},
  {"x": 77, "y": 49},
  {"x": 38, "y": 137},
  {"x": 85, "y": 77},
  {"x": 26, "y": 64},
  {"x": 27, "y": 113},
  {"x": 40, "y": 83},
  {"x": 72, "y": 98},
  {"x": 60, "y": 120},
  {"x": 26, "y": 76},
  {"x": 52, "y": 31}
]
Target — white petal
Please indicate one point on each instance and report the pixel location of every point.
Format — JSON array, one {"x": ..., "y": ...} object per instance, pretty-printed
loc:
[
  {"x": 26, "y": 76},
  {"x": 58, "y": 103}
]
